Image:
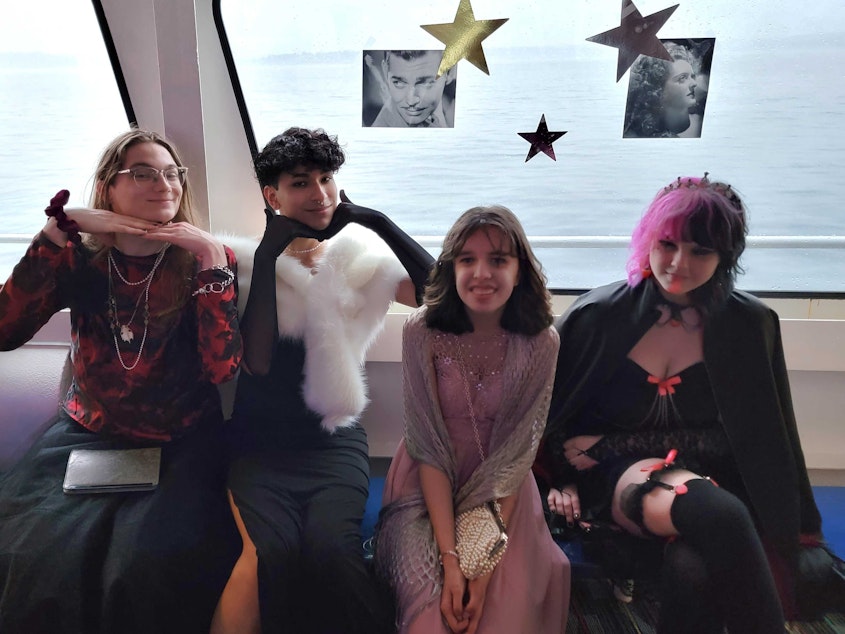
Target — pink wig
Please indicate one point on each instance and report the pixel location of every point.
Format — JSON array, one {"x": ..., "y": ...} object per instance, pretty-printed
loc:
[{"x": 691, "y": 209}]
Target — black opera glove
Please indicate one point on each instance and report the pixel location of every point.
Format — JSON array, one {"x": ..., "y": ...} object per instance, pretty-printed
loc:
[
  {"x": 416, "y": 260},
  {"x": 279, "y": 233},
  {"x": 351, "y": 212}
]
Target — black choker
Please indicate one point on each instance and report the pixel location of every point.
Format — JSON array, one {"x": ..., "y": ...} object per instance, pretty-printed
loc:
[{"x": 678, "y": 315}]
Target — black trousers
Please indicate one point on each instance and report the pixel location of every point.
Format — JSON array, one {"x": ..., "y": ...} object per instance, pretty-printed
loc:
[{"x": 302, "y": 507}]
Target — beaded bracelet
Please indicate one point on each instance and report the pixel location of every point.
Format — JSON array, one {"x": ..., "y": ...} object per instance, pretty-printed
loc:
[
  {"x": 216, "y": 287},
  {"x": 56, "y": 210},
  {"x": 449, "y": 552}
]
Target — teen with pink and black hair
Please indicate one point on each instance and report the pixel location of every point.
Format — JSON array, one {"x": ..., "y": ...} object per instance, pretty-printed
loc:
[
  {"x": 675, "y": 361},
  {"x": 695, "y": 211}
]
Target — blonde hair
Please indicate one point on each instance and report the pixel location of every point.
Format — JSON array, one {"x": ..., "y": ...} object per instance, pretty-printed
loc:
[
  {"x": 111, "y": 162},
  {"x": 180, "y": 262}
]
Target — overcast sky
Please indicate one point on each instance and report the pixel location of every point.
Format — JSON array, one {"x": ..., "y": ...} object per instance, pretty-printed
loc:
[{"x": 258, "y": 27}]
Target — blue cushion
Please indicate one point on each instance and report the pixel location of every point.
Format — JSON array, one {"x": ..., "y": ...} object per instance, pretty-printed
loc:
[
  {"x": 371, "y": 511},
  {"x": 831, "y": 503}
]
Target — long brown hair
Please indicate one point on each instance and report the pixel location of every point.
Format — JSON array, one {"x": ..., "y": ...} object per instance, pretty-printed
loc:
[
  {"x": 180, "y": 262},
  {"x": 528, "y": 310}
]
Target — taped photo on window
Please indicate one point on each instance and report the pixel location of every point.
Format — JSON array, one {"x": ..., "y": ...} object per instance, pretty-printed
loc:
[
  {"x": 666, "y": 99},
  {"x": 401, "y": 90}
]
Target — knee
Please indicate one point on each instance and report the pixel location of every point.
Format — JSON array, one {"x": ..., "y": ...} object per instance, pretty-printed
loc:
[
  {"x": 326, "y": 540},
  {"x": 278, "y": 557},
  {"x": 720, "y": 508},
  {"x": 713, "y": 512},
  {"x": 327, "y": 553}
]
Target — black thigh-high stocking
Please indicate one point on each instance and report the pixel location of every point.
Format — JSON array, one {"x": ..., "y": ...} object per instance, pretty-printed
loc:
[
  {"x": 686, "y": 596},
  {"x": 717, "y": 526}
]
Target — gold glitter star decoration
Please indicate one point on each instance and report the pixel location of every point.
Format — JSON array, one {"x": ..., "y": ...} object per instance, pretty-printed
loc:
[
  {"x": 635, "y": 36},
  {"x": 541, "y": 140},
  {"x": 463, "y": 38}
]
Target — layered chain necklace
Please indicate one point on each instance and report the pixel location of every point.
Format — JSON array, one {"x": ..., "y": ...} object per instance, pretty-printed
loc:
[{"x": 125, "y": 330}]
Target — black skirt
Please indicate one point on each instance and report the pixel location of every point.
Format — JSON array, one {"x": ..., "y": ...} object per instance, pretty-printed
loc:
[{"x": 118, "y": 562}]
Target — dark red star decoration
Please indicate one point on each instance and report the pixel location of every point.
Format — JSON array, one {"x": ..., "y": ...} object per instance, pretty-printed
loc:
[
  {"x": 635, "y": 36},
  {"x": 541, "y": 140}
]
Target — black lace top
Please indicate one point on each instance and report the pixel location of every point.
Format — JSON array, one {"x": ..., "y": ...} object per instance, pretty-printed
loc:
[{"x": 642, "y": 416}]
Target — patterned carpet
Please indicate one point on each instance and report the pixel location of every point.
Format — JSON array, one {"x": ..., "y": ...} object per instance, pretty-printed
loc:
[{"x": 594, "y": 610}]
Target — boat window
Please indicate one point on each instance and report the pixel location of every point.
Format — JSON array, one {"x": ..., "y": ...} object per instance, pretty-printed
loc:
[
  {"x": 59, "y": 106},
  {"x": 775, "y": 99}
]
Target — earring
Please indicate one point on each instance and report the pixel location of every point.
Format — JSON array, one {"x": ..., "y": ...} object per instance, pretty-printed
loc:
[{"x": 646, "y": 272}]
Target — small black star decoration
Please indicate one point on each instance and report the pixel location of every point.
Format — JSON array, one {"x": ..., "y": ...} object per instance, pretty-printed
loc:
[{"x": 541, "y": 140}]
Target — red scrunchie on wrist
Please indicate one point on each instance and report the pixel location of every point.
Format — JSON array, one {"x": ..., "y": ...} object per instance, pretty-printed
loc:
[{"x": 56, "y": 210}]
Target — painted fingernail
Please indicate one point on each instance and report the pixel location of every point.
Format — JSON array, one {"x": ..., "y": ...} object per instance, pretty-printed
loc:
[{"x": 577, "y": 516}]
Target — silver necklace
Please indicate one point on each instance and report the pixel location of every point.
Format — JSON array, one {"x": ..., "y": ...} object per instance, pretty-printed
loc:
[
  {"x": 146, "y": 279},
  {"x": 125, "y": 330}
]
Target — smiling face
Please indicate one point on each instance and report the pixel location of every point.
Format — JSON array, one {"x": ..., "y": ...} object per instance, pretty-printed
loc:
[
  {"x": 414, "y": 87},
  {"x": 679, "y": 89},
  {"x": 680, "y": 267},
  {"x": 158, "y": 200},
  {"x": 306, "y": 195},
  {"x": 486, "y": 272}
]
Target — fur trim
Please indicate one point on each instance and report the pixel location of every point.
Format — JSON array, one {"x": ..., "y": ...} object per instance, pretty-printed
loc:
[{"x": 337, "y": 308}]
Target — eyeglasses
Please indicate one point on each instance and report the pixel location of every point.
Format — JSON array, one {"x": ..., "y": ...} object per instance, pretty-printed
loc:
[{"x": 144, "y": 176}]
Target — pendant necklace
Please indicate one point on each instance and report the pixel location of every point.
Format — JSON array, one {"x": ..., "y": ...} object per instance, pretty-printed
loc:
[
  {"x": 126, "y": 333},
  {"x": 125, "y": 330}
]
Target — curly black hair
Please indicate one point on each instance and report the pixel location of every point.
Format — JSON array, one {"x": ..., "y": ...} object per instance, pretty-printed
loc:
[{"x": 297, "y": 147}]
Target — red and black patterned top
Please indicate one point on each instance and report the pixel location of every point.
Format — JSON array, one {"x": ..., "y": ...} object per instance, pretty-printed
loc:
[{"x": 186, "y": 351}]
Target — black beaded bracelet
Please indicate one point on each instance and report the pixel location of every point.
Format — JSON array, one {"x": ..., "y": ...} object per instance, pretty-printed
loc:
[{"x": 56, "y": 210}]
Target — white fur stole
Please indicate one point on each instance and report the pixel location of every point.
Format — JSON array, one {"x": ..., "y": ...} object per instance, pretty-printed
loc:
[{"x": 337, "y": 308}]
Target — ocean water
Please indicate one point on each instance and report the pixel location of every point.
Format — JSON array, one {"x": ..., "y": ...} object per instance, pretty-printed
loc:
[{"x": 772, "y": 128}]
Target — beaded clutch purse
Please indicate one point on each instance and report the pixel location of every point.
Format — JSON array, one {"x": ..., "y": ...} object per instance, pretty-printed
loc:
[{"x": 481, "y": 539}]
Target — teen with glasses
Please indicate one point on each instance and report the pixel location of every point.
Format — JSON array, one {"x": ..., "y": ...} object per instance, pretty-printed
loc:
[
  {"x": 145, "y": 176},
  {"x": 154, "y": 328}
]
